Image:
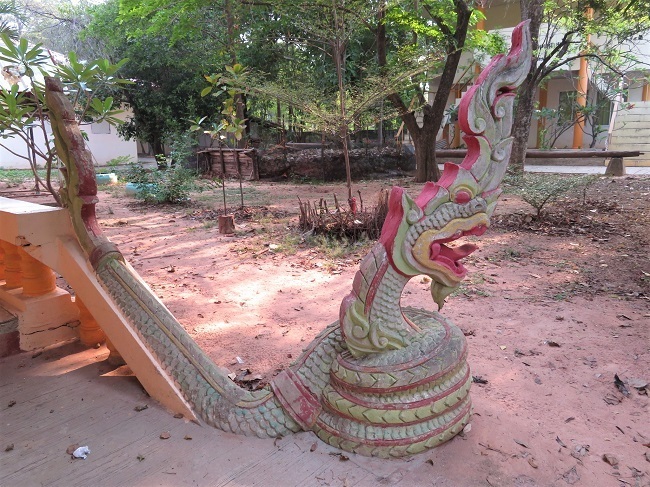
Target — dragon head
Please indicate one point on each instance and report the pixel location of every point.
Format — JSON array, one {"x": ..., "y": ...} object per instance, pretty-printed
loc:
[{"x": 418, "y": 233}]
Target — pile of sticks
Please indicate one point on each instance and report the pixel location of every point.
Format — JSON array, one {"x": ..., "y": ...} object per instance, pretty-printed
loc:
[{"x": 342, "y": 222}]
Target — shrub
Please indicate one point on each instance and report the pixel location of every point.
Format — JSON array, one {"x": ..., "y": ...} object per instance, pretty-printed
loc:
[
  {"x": 540, "y": 189},
  {"x": 173, "y": 185}
]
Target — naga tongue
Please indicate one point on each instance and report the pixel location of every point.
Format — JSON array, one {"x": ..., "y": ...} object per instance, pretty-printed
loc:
[{"x": 454, "y": 254}]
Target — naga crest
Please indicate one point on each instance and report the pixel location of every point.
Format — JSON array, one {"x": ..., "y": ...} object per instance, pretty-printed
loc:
[{"x": 417, "y": 233}]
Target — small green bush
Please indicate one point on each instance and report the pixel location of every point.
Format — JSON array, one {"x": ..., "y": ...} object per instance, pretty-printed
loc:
[
  {"x": 538, "y": 189},
  {"x": 172, "y": 185}
]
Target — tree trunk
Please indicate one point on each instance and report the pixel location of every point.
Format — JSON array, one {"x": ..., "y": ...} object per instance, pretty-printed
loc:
[
  {"x": 432, "y": 118},
  {"x": 521, "y": 125},
  {"x": 533, "y": 10},
  {"x": 425, "y": 148},
  {"x": 424, "y": 138}
]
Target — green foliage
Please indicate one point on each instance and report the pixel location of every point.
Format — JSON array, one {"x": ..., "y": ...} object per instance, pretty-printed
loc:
[
  {"x": 167, "y": 75},
  {"x": 10, "y": 16},
  {"x": 119, "y": 161},
  {"x": 14, "y": 177},
  {"x": 88, "y": 85},
  {"x": 230, "y": 123},
  {"x": 172, "y": 185},
  {"x": 538, "y": 190},
  {"x": 135, "y": 173}
]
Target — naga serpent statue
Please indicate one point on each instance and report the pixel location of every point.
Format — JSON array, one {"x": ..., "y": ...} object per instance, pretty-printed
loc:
[{"x": 382, "y": 380}]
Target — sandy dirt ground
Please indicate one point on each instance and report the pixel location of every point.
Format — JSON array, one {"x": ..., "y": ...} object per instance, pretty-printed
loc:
[{"x": 553, "y": 312}]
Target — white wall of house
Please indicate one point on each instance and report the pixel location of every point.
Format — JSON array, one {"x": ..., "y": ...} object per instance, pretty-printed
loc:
[{"x": 103, "y": 142}]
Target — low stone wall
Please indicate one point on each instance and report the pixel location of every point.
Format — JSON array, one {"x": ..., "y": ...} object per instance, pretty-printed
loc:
[{"x": 330, "y": 166}]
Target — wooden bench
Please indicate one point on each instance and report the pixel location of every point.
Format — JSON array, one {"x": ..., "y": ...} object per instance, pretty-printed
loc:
[{"x": 615, "y": 166}]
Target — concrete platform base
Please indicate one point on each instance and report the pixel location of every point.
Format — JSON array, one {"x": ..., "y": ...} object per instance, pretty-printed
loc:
[{"x": 42, "y": 320}]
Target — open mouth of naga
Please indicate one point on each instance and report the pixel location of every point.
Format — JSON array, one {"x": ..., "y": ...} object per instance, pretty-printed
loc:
[{"x": 450, "y": 257}]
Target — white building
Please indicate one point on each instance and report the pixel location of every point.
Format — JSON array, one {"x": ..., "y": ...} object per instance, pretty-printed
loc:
[
  {"x": 102, "y": 140},
  {"x": 619, "y": 124}
]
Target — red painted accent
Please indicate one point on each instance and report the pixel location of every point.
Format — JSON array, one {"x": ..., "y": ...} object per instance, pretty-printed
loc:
[
  {"x": 339, "y": 384},
  {"x": 473, "y": 151},
  {"x": 374, "y": 285},
  {"x": 401, "y": 406},
  {"x": 393, "y": 218},
  {"x": 513, "y": 56},
  {"x": 403, "y": 441},
  {"x": 296, "y": 398},
  {"x": 462, "y": 197},
  {"x": 449, "y": 175},
  {"x": 429, "y": 191}
]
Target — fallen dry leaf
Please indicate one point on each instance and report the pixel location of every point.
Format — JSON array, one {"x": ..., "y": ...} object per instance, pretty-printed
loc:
[
  {"x": 187, "y": 437},
  {"x": 571, "y": 476},
  {"x": 165, "y": 435},
  {"x": 178, "y": 416},
  {"x": 70, "y": 450},
  {"x": 620, "y": 385},
  {"x": 611, "y": 459},
  {"x": 532, "y": 462},
  {"x": 519, "y": 442},
  {"x": 580, "y": 451},
  {"x": 313, "y": 447},
  {"x": 141, "y": 407},
  {"x": 612, "y": 399}
]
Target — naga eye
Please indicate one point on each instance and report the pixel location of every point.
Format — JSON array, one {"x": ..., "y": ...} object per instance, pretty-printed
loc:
[{"x": 462, "y": 196}]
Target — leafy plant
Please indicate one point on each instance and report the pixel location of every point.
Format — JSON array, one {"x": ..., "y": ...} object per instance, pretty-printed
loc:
[
  {"x": 171, "y": 186},
  {"x": 24, "y": 111},
  {"x": 538, "y": 190},
  {"x": 119, "y": 161}
]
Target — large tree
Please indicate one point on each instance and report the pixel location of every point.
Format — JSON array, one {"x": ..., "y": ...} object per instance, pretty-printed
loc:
[
  {"x": 167, "y": 75},
  {"x": 560, "y": 35},
  {"x": 452, "y": 20}
]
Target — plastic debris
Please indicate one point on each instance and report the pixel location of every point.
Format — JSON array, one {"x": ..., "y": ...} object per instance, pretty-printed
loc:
[{"x": 81, "y": 452}]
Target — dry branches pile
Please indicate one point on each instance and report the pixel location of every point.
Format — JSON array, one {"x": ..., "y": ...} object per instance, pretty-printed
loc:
[{"x": 342, "y": 223}]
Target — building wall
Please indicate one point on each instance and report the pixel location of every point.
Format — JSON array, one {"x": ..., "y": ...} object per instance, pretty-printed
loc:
[
  {"x": 502, "y": 14},
  {"x": 103, "y": 142}
]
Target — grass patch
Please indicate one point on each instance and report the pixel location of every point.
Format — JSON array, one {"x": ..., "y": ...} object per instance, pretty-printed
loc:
[{"x": 19, "y": 176}]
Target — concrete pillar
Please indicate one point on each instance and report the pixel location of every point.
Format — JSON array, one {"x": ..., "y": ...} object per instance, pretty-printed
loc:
[
  {"x": 456, "y": 142},
  {"x": 581, "y": 96},
  {"x": 90, "y": 334},
  {"x": 615, "y": 167},
  {"x": 38, "y": 279},
  {"x": 480, "y": 25},
  {"x": 645, "y": 92},
  {"x": 13, "y": 269},
  {"x": 581, "y": 101}
]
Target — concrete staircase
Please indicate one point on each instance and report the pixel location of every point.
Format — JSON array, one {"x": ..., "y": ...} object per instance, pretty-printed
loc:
[{"x": 632, "y": 132}]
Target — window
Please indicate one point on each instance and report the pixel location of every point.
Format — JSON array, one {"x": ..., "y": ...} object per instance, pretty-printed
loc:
[
  {"x": 567, "y": 107},
  {"x": 603, "y": 112}
]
